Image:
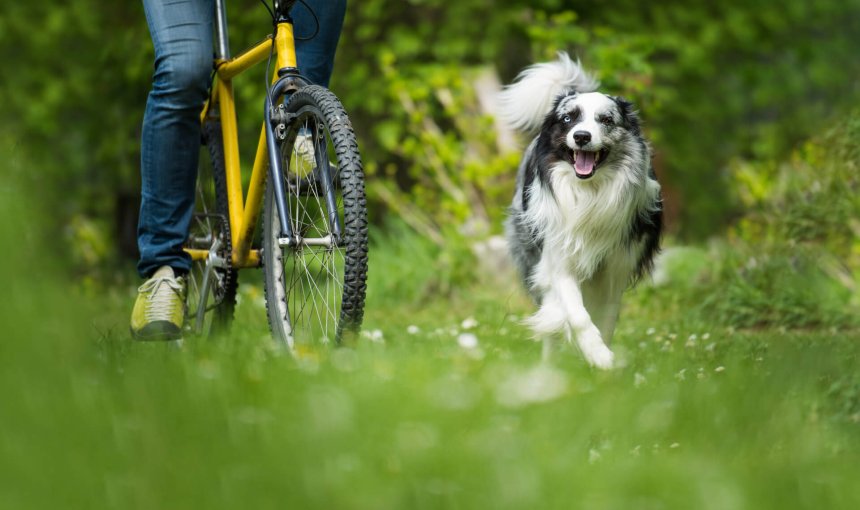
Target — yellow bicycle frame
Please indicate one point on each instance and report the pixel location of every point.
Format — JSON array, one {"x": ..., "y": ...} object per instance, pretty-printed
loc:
[{"x": 244, "y": 211}]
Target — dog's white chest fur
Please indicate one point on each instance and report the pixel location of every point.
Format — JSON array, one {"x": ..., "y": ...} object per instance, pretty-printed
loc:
[{"x": 582, "y": 223}]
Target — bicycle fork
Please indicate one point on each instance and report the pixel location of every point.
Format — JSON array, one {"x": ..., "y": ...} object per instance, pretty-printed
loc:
[{"x": 276, "y": 117}]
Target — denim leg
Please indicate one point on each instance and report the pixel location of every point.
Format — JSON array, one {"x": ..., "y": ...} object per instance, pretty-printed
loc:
[
  {"x": 181, "y": 33},
  {"x": 316, "y": 56}
]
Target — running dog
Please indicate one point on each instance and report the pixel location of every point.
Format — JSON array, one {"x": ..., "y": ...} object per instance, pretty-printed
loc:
[{"x": 586, "y": 216}]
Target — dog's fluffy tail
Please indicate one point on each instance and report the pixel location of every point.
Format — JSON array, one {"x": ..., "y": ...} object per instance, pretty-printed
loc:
[{"x": 524, "y": 103}]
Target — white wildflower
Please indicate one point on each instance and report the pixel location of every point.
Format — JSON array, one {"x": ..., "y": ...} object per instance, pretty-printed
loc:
[
  {"x": 412, "y": 329},
  {"x": 719, "y": 369},
  {"x": 374, "y": 335},
  {"x": 469, "y": 323},
  {"x": 638, "y": 380},
  {"x": 467, "y": 341}
]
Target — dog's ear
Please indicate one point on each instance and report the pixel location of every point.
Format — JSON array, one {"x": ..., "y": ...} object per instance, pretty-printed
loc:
[{"x": 629, "y": 117}]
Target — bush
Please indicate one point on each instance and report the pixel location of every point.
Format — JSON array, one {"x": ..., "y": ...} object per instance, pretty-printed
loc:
[
  {"x": 793, "y": 260},
  {"x": 713, "y": 80}
]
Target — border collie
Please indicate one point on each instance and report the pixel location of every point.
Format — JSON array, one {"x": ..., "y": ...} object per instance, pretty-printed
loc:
[{"x": 586, "y": 216}]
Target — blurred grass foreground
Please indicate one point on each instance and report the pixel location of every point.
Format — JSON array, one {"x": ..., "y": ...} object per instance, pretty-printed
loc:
[{"x": 740, "y": 379}]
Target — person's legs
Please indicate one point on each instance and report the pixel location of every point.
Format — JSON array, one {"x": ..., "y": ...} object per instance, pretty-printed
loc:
[
  {"x": 316, "y": 56},
  {"x": 182, "y": 35}
]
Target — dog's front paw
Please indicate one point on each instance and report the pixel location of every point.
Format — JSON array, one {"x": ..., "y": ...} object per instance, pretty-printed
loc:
[
  {"x": 595, "y": 351},
  {"x": 601, "y": 357}
]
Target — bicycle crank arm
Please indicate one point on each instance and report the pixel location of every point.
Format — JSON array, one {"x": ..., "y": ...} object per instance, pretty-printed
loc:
[{"x": 212, "y": 261}]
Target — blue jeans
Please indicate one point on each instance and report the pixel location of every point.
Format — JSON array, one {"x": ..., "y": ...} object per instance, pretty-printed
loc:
[{"x": 170, "y": 140}]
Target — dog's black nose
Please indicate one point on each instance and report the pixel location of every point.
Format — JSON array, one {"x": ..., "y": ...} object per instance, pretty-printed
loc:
[{"x": 581, "y": 137}]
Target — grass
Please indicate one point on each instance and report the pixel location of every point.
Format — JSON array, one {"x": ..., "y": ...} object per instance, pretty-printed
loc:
[
  {"x": 443, "y": 404},
  {"x": 700, "y": 416}
]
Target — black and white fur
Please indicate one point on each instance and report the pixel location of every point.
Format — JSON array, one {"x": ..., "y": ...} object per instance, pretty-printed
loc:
[{"x": 586, "y": 216}]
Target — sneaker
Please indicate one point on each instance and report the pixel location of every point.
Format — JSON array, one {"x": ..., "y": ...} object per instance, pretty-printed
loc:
[
  {"x": 160, "y": 307},
  {"x": 304, "y": 147}
]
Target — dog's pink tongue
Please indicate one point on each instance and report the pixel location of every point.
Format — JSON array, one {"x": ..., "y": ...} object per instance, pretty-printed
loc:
[{"x": 584, "y": 164}]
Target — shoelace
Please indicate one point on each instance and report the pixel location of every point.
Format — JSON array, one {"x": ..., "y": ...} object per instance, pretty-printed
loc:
[{"x": 160, "y": 296}]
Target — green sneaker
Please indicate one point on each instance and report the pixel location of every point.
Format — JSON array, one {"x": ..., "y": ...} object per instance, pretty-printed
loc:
[
  {"x": 160, "y": 307},
  {"x": 304, "y": 147}
]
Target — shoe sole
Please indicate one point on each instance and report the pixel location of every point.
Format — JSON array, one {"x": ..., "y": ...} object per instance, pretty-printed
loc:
[{"x": 158, "y": 331}]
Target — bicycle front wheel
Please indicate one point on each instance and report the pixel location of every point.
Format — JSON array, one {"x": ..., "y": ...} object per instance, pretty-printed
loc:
[{"x": 315, "y": 281}]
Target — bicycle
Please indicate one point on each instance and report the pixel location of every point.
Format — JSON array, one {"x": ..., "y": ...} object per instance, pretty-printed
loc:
[{"x": 307, "y": 175}]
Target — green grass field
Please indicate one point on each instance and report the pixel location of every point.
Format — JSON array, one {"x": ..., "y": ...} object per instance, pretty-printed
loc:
[
  {"x": 443, "y": 401},
  {"x": 417, "y": 415}
]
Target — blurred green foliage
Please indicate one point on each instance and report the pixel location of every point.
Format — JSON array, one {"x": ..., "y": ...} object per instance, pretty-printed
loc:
[
  {"x": 800, "y": 240},
  {"x": 792, "y": 259},
  {"x": 715, "y": 82}
]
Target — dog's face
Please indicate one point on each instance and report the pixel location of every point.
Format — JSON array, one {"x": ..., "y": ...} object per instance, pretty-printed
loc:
[{"x": 585, "y": 130}]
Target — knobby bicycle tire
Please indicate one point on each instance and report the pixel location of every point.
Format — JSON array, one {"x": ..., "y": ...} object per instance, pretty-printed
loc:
[
  {"x": 317, "y": 293},
  {"x": 210, "y": 221}
]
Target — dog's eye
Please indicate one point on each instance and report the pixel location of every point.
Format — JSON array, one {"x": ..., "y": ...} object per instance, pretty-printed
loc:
[
  {"x": 607, "y": 121},
  {"x": 566, "y": 118}
]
